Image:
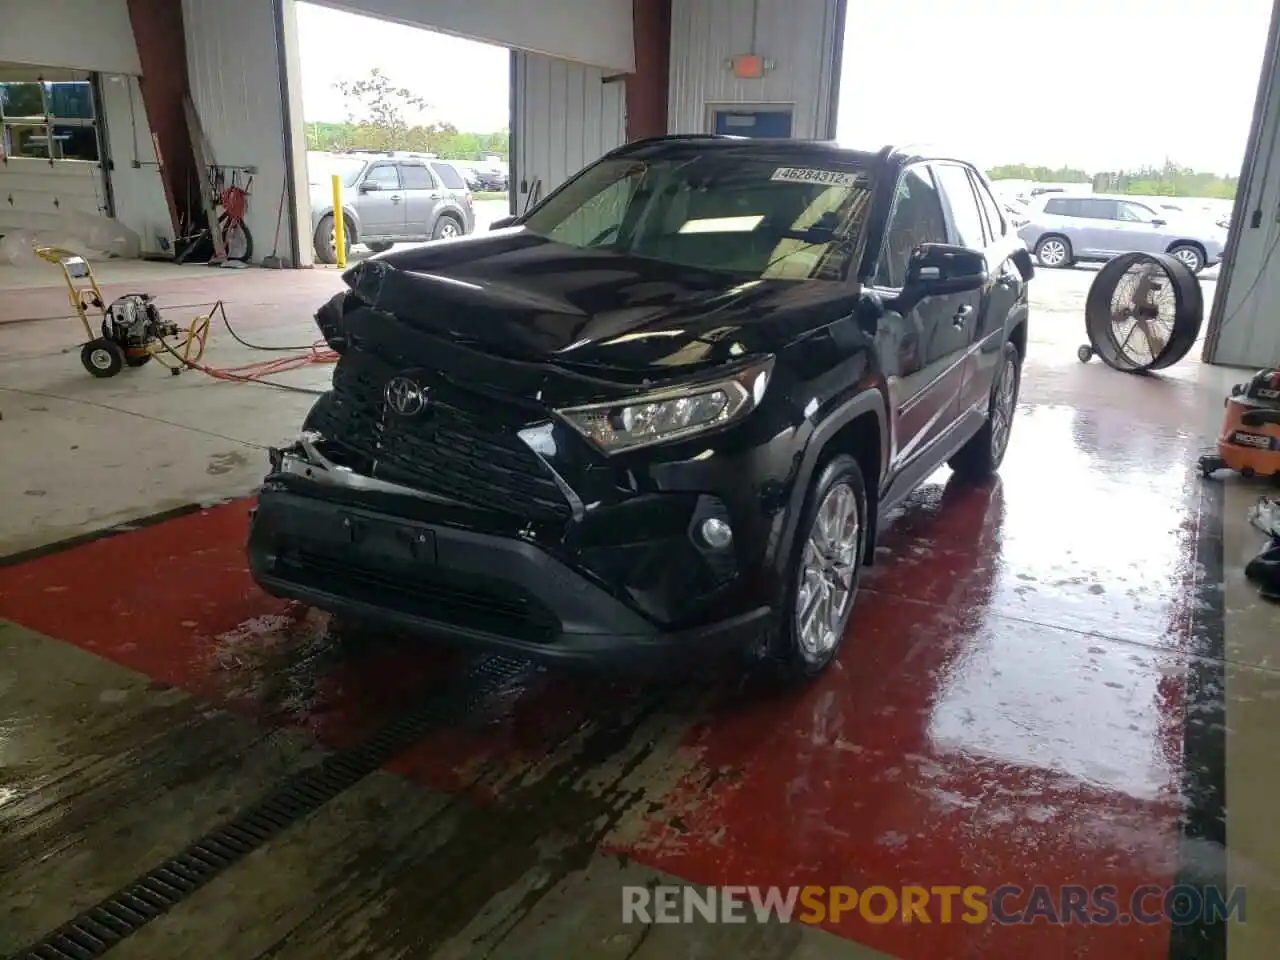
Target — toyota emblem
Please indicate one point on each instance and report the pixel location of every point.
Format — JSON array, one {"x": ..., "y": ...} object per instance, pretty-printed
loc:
[{"x": 404, "y": 396}]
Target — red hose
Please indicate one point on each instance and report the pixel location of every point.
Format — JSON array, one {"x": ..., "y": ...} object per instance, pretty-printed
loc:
[{"x": 234, "y": 201}]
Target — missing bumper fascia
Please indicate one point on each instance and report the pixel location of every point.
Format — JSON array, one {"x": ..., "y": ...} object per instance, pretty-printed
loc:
[{"x": 305, "y": 460}]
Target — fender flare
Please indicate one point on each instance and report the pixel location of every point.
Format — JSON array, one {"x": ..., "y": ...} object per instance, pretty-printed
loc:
[{"x": 870, "y": 400}]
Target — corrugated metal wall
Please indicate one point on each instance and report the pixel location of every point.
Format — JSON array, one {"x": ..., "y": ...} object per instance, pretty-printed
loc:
[
  {"x": 234, "y": 51},
  {"x": 802, "y": 38},
  {"x": 565, "y": 116},
  {"x": 1244, "y": 327}
]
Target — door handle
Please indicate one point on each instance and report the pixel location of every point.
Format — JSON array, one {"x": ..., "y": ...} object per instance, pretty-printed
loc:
[
  {"x": 962, "y": 315},
  {"x": 433, "y": 196},
  {"x": 395, "y": 198}
]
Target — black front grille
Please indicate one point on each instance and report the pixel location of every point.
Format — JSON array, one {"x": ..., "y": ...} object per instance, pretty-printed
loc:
[
  {"x": 492, "y": 607},
  {"x": 463, "y": 446}
]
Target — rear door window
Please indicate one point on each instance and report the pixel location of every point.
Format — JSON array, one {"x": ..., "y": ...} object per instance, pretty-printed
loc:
[
  {"x": 992, "y": 217},
  {"x": 416, "y": 177},
  {"x": 449, "y": 176},
  {"x": 966, "y": 215}
]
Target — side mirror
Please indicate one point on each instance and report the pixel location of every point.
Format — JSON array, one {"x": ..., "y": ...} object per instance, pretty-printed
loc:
[
  {"x": 503, "y": 222},
  {"x": 941, "y": 268},
  {"x": 1158, "y": 222},
  {"x": 368, "y": 187}
]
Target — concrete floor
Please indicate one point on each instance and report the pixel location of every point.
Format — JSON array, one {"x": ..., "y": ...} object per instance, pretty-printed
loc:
[{"x": 1058, "y": 679}]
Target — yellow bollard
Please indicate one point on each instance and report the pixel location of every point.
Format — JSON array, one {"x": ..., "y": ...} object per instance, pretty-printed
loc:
[{"x": 339, "y": 223}]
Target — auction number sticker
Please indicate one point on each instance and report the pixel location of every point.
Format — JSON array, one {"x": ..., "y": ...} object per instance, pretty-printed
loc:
[{"x": 830, "y": 178}]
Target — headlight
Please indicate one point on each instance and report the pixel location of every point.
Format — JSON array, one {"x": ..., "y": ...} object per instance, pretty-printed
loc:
[{"x": 670, "y": 414}]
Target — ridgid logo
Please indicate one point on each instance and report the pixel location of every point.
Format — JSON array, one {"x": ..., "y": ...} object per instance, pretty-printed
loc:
[{"x": 1006, "y": 905}]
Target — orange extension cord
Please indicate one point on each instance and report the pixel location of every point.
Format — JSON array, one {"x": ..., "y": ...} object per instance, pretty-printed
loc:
[{"x": 298, "y": 357}]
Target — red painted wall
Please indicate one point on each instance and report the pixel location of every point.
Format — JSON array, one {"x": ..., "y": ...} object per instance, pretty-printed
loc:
[
  {"x": 162, "y": 50},
  {"x": 647, "y": 87}
]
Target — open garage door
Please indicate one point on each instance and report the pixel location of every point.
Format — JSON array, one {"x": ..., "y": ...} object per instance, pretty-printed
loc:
[{"x": 564, "y": 115}]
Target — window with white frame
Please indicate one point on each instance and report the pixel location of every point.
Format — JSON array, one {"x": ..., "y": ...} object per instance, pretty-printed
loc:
[{"x": 48, "y": 119}]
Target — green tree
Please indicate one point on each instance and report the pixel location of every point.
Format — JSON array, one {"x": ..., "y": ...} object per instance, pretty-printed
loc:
[
  {"x": 378, "y": 110},
  {"x": 1040, "y": 174}
]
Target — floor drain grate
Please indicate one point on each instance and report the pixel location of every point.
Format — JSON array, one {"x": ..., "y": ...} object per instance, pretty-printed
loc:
[{"x": 159, "y": 890}]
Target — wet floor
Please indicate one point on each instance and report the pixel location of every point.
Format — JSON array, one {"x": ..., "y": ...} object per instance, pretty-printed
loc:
[{"x": 1056, "y": 679}]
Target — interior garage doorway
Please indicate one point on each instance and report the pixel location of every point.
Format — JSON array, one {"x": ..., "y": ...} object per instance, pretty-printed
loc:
[{"x": 430, "y": 132}]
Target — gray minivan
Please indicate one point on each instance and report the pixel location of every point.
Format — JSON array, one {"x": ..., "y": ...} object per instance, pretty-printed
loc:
[
  {"x": 1062, "y": 230},
  {"x": 388, "y": 198}
]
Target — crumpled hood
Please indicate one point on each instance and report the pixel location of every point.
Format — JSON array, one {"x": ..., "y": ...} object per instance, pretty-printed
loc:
[{"x": 519, "y": 295}]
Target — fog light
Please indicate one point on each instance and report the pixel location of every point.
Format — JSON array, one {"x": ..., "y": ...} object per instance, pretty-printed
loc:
[{"x": 716, "y": 534}]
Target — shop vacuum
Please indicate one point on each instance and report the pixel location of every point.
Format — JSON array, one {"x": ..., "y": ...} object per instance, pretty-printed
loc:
[{"x": 1249, "y": 444}]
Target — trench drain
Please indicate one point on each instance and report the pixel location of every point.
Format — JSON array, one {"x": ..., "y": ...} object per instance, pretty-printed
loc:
[{"x": 124, "y": 913}]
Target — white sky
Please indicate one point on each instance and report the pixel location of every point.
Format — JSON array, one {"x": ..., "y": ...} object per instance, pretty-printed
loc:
[
  {"x": 1185, "y": 72},
  {"x": 1092, "y": 83}
]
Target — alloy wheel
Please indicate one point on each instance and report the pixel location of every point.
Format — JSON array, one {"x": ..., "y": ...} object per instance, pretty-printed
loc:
[
  {"x": 448, "y": 229},
  {"x": 1052, "y": 253},
  {"x": 828, "y": 565},
  {"x": 1002, "y": 408},
  {"x": 1188, "y": 258}
]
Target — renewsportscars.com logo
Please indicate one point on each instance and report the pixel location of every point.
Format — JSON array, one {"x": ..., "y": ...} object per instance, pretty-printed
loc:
[{"x": 1006, "y": 905}]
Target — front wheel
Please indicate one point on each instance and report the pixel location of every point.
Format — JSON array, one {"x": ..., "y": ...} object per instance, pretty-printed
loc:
[
  {"x": 822, "y": 581},
  {"x": 981, "y": 457}
]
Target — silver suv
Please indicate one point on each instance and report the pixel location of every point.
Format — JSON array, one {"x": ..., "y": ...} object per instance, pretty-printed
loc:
[
  {"x": 387, "y": 198},
  {"x": 1062, "y": 230}
]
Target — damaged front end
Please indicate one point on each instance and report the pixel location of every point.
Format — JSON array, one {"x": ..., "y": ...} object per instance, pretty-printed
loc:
[{"x": 438, "y": 486}]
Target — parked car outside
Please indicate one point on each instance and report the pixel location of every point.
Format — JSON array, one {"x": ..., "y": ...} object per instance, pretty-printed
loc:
[
  {"x": 468, "y": 170},
  {"x": 1063, "y": 230},
  {"x": 663, "y": 411},
  {"x": 388, "y": 198}
]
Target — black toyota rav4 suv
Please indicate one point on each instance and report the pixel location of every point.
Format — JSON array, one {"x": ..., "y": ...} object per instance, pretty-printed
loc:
[{"x": 661, "y": 411}]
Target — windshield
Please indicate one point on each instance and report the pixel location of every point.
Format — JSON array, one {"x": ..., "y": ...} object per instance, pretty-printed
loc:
[
  {"x": 756, "y": 218},
  {"x": 322, "y": 166}
]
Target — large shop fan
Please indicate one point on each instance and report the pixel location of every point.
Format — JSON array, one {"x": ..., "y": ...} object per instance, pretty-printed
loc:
[{"x": 1143, "y": 313}]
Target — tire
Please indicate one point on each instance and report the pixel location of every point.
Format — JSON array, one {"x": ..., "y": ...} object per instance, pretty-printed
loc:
[
  {"x": 1053, "y": 251},
  {"x": 326, "y": 251},
  {"x": 981, "y": 457},
  {"x": 237, "y": 241},
  {"x": 381, "y": 247},
  {"x": 1189, "y": 255},
  {"x": 447, "y": 227},
  {"x": 102, "y": 358},
  {"x": 790, "y": 652}
]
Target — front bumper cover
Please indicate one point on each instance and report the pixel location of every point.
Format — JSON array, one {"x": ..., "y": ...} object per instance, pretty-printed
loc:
[{"x": 481, "y": 588}]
